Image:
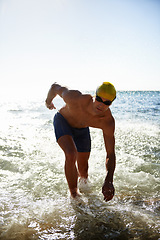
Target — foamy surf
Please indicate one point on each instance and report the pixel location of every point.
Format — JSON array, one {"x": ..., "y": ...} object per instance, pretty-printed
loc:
[{"x": 34, "y": 197}]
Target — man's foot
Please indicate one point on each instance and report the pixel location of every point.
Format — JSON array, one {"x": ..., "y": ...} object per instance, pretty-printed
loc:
[
  {"x": 75, "y": 193},
  {"x": 84, "y": 185},
  {"x": 83, "y": 180}
]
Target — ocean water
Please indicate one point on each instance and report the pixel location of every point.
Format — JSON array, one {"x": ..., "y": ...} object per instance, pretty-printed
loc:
[{"x": 34, "y": 197}]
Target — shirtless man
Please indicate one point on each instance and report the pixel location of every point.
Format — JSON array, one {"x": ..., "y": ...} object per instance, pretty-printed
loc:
[{"x": 72, "y": 123}]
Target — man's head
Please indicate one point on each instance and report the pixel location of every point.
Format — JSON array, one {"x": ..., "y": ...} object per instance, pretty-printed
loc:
[
  {"x": 105, "y": 95},
  {"x": 107, "y": 91}
]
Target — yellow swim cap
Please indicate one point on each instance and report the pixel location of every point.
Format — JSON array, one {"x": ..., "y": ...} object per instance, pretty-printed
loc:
[{"x": 106, "y": 90}]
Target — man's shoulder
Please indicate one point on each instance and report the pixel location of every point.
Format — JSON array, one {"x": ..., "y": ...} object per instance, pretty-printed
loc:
[
  {"x": 71, "y": 96},
  {"x": 108, "y": 115},
  {"x": 86, "y": 98},
  {"x": 77, "y": 94}
]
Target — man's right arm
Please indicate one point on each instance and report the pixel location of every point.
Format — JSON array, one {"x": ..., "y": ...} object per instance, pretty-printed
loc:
[
  {"x": 69, "y": 96},
  {"x": 53, "y": 91}
]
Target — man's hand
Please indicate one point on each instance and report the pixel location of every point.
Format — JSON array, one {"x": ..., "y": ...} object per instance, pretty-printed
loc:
[
  {"x": 50, "y": 106},
  {"x": 108, "y": 191}
]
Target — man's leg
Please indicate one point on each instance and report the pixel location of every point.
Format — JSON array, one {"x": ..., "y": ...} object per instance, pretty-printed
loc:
[
  {"x": 82, "y": 162},
  {"x": 68, "y": 146}
]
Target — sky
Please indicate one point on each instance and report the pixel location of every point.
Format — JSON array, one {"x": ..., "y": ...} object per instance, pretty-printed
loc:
[{"x": 79, "y": 44}]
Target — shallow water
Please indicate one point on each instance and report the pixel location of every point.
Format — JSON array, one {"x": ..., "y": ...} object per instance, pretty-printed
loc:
[{"x": 34, "y": 197}]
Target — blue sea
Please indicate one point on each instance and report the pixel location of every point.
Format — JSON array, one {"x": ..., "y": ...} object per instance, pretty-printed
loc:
[{"x": 34, "y": 199}]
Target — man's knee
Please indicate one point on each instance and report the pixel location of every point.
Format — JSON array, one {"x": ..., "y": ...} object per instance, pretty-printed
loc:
[{"x": 71, "y": 156}]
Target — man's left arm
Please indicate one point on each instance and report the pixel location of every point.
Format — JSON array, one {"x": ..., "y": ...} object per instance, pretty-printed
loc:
[{"x": 108, "y": 188}]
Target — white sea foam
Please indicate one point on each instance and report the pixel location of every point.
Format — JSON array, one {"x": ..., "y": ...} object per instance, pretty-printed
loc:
[{"x": 34, "y": 200}]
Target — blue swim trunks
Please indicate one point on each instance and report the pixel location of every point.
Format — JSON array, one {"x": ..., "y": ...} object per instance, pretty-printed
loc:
[{"x": 81, "y": 136}]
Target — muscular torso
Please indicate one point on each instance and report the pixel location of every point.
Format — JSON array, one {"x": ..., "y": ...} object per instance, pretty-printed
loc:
[{"x": 81, "y": 114}]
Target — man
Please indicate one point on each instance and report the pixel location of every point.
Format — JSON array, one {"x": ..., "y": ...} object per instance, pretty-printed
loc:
[{"x": 72, "y": 124}]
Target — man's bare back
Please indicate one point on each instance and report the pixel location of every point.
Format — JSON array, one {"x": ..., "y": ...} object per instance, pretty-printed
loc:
[{"x": 82, "y": 111}]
